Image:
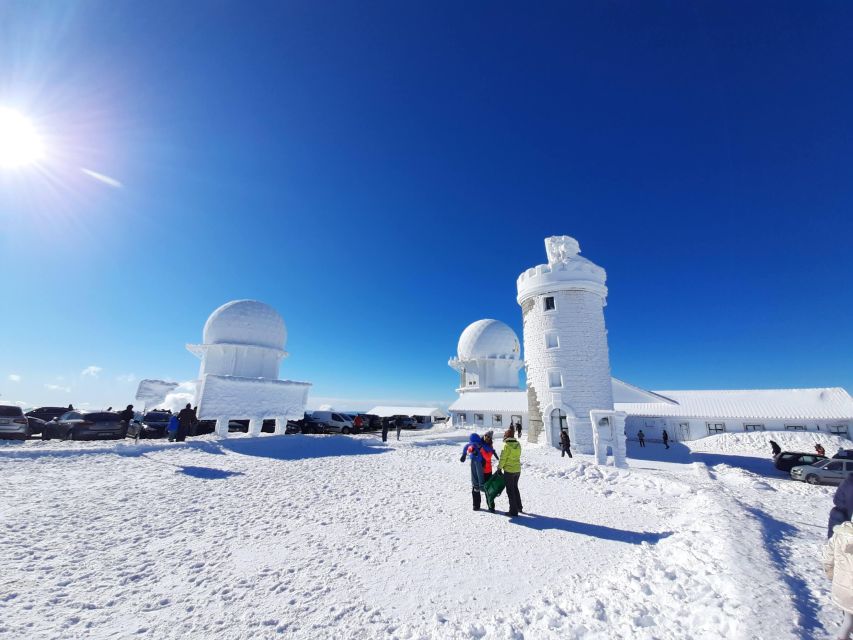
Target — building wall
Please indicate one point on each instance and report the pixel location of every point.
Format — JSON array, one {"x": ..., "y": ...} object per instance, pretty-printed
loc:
[
  {"x": 582, "y": 360},
  {"x": 698, "y": 427},
  {"x": 488, "y": 421}
]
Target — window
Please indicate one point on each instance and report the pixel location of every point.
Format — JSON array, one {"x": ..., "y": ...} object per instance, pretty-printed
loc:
[
  {"x": 552, "y": 341},
  {"x": 549, "y": 304},
  {"x": 497, "y": 420},
  {"x": 848, "y": 467},
  {"x": 478, "y": 419},
  {"x": 795, "y": 427},
  {"x": 515, "y": 419},
  {"x": 716, "y": 427},
  {"x": 835, "y": 465},
  {"x": 463, "y": 418},
  {"x": 808, "y": 460},
  {"x": 555, "y": 379},
  {"x": 840, "y": 429},
  {"x": 753, "y": 427}
]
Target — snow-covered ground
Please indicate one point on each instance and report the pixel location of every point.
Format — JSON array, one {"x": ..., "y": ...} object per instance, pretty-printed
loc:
[{"x": 347, "y": 537}]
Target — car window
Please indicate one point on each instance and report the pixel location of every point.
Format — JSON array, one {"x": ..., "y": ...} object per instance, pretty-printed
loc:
[
  {"x": 787, "y": 456},
  {"x": 70, "y": 415},
  {"x": 848, "y": 466},
  {"x": 820, "y": 464},
  {"x": 834, "y": 466},
  {"x": 9, "y": 411},
  {"x": 808, "y": 459},
  {"x": 101, "y": 417}
]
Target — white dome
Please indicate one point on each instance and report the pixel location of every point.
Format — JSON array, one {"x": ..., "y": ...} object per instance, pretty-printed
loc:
[
  {"x": 488, "y": 339},
  {"x": 246, "y": 322}
]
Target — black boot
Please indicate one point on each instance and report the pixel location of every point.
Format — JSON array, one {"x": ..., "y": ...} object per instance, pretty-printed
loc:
[{"x": 476, "y": 496}]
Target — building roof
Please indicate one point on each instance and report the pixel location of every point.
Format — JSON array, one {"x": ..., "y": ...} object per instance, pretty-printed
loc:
[
  {"x": 387, "y": 412},
  {"x": 763, "y": 404},
  {"x": 494, "y": 401},
  {"x": 246, "y": 322},
  {"x": 488, "y": 339}
]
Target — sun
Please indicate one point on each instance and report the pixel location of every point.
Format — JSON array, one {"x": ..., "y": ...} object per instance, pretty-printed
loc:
[{"x": 20, "y": 142}]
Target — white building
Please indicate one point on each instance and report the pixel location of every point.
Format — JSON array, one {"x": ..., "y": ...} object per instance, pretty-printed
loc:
[
  {"x": 568, "y": 373},
  {"x": 240, "y": 357}
]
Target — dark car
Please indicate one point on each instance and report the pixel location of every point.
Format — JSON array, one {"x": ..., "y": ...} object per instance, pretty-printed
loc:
[
  {"x": 154, "y": 424},
  {"x": 89, "y": 425},
  {"x": 407, "y": 422},
  {"x": 845, "y": 454},
  {"x": 787, "y": 460},
  {"x": 36, "y": 425},
  {"x": 47, "y": 413}
]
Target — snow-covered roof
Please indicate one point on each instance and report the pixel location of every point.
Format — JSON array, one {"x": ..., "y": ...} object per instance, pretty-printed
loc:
[
  {"x": 488, "y": 339},
  {"x": 768, "y": 404},
  {"x": 494, "y": 401},
  {"x": 248, "y": 322},
  {"x": 387, "y": 412}
]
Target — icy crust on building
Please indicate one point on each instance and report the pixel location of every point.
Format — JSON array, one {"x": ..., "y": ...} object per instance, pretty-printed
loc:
[
  {"x": 488, "y": 357},
  {"x": 251, "y": 398},
  {"x": 247, "y": 322},
  {"x": 152, "y": 393}
]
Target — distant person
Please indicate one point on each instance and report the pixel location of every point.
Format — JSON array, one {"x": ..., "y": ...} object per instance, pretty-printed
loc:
[
  {"x": 510, "y": 464},
  {"x": 70, "y": 407},
  {"x": 358, "y": 423},
  {"x": 641, "y": 437},
  {"x": 488, "y": 449},
  {"x": 185, "y": 421},
  {"x": 565, "y": 443},
  {"x": 109, "y": 409},
  {"x": 843, "y": 509},
  {"x": 473, "y": 450},
  {"x": 384, "y": 429},
  {"x": 126, "y": 416},
  {"x": 775, "y": 448},
  {"x": 194, "y": 424},
  {"x": 820, "y": 450},
  {"x": 398, "y": 422},
  {"x": 665, "y": 439},
  {"x": 172, "y": 428},
  {"x": 838, "y": 564},
  {"x": 518, "y": 429}
]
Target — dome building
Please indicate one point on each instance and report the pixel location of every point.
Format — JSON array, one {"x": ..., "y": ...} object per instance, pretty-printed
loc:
[{"x": 242, "y": 349}]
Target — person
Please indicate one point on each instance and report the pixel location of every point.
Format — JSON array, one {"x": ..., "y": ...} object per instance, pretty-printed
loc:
[
  {"x": 843, "y": 505},
  {"x": 665, "y": 439},
  {"x": 565, "y": 443},
  {"x": 185, "y": 421},
  {"x": 518, "y": 429},
  {"x": 126, "y": 416},
  {"x": 819, "y": 449},
  {"x": 488, "y": 449},
  {"x": 358, "y": 423},
  {"x": 172, "y": 428},
  {"x": 385, "y": 429},
  {"x": 838, "y": 564},
  {"x": 70, "y": 407},
  {"x": 641, "y": 437},
  {"x": 194, "y": 424},
  {"x": 398, "y": 422},
  {"x": 109, "y": 409},
  {"x": 510, "y": 464},
  {"x": 473, "y": 450},
  {"x": 775, "y": 448}
]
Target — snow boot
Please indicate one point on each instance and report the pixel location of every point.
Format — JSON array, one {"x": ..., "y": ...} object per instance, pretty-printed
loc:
[{"x": 476, "y": 496}]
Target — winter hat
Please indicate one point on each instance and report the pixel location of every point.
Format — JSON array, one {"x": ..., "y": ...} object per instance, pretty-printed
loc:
[
  {"x": 509, "y": 433},
  {"x": 488, "y": 435}
]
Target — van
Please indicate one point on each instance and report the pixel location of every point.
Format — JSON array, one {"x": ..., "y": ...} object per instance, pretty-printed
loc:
[{"x": 334, "y": 422}]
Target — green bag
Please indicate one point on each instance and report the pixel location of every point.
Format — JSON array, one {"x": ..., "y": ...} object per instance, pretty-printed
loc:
[{"x": 493, "y": 488}]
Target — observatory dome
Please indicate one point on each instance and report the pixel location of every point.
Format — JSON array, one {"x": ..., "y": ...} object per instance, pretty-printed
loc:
[
  {"x": 246, "y": 322},
  {"x": 488, "y": 339}
]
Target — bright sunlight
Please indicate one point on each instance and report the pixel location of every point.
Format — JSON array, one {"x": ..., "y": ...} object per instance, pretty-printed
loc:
[{"x": 20, "y": 143}]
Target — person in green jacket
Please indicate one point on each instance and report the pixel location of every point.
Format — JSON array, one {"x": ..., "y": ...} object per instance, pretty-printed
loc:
[{"x": 510, "y": 464}]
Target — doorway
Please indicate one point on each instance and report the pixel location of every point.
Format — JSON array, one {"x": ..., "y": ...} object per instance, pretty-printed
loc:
[
  {"x": 558, "y": 423},
  {"x": 684, "y": 430}
]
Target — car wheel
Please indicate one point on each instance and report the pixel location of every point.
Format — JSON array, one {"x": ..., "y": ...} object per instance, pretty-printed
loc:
[
  {"x": 44, "y": 435},
  {"x": 345, "y": 430},
  {"x": 70, "y": 435},
  {"x": 812, "y": 479}
]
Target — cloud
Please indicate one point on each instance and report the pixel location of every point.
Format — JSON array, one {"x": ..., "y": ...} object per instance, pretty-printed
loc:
[
  {"x": 127, "y": 377},
  {"x": 92, "y": 371},
  {"x": 178, "y": 398},
  {"x": 57, "y": 387},
  {"x": 14, "y": 377}
]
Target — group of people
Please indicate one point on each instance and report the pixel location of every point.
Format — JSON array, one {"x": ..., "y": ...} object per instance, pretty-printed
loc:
[
  {"x": 480, "y": 452},
  {"x": 396, "y": 422},
  {"x": 642, "y": 438}
]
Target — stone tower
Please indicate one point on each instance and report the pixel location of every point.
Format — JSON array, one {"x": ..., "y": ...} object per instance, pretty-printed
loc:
[{"x": 565, "y": 344}]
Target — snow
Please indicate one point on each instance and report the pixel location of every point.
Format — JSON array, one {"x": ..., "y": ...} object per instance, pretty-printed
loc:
[
  {"x": 154, "y": 392},
  {"x": 347, "y": 537},
  {"x": 240, "y": 398}
]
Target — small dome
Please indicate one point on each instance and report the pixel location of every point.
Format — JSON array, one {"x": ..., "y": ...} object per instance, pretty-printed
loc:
[
  {"x": 488, "y": 339},
  {"x": 246, "y": 322}
]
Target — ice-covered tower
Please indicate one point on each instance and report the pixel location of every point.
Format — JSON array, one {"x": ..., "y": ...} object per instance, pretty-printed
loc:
[
  {"x": 565, "y": 344},
  {"x": 488, "y": 357}
]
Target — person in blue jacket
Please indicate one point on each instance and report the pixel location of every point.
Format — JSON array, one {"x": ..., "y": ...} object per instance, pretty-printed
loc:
[
  {"x": 473, "y": 450},
  {"x": 843, "y": 501},
  {"x": 172, "y": 428}
]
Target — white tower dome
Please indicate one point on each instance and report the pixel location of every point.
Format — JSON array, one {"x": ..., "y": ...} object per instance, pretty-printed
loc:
[
  {"x": 488, "y": 357},
  {"x": 565, "y": 343},
  {"x": 488, "y": 339},
  {"x": 246, "y": 322}
]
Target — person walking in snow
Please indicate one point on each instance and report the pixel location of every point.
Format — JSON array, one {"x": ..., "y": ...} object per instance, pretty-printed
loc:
[
  {"x": 518, "y": 429},
  {"x": 838, "y": 564},
  {"x": 510, "y": 464},
  {"x": 665, "y": 439},
  {"x": 775, "y": 449},
  {"x": 488, "y": 450},
  {"x": 843, "y": 509},
  {"x": 641, "y": 437},
  {"x": 398, "y": 422},
  {"x": 473, "y": 450},
  {"x": 185, "y": 420},
  {"x": 172, "y": 428},
  {"x": 384, "y": 429},
  {"x": 565, "y": 443}
]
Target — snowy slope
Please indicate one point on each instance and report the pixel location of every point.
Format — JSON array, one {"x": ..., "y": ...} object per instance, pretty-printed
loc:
[{"x": 320, "y": 537}]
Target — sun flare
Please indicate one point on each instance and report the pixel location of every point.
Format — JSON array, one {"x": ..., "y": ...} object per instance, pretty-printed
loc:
[{"x": 20, "y": 142}]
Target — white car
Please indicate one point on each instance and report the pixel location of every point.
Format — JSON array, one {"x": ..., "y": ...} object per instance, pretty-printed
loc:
[
  {"x": 13, "y": 422},
  {"x": 335, "y": 422}
]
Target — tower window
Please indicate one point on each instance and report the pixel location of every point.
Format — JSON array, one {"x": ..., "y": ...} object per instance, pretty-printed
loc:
[
  {"x": 555, "y": 379},
  {"x": 552, "y": 341},
  {"x": 549, "y": 303}
]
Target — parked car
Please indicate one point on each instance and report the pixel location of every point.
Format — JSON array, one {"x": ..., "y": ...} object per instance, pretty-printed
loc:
[
  {"x": 36, "y": 425},
  {"x": 13, "y": 422},
  {"x": 154, "y": 424},
  {"x": 88, "y": 425},
  {"x": 371, "y": 421},
  {"x": 333, "y": 421},
  {"x": 407, "y": 421},
  {"x": 47, "y": 413},
  {"x": 845, "y": 454},
  {"x": 787, "y": 460},
  {"x": 828, "y": 471}
]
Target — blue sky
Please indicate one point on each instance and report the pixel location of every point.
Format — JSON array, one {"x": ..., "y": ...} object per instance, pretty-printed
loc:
[{"x": 382, "y": 172}]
